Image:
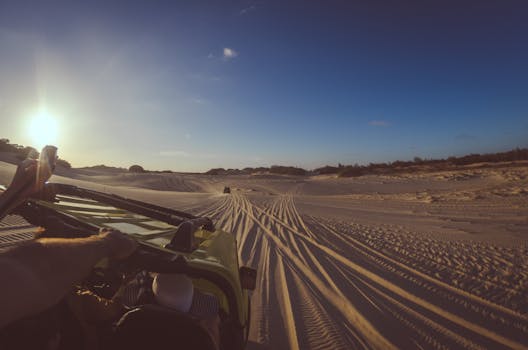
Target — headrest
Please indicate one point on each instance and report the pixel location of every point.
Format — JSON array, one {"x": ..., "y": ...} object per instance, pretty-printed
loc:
[{"x": 174, "y": 291}]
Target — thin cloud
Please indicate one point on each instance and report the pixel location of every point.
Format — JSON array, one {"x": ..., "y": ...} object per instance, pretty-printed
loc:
[
  {"x": 248, "y": 9},
  {"x": 379, "y": 123},
  {"x": 229, "y": 53},
  {"x": 199, "y": 101}
]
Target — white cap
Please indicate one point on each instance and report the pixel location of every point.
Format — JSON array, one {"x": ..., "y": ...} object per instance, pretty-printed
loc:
[{"x": 174, "y": 291}]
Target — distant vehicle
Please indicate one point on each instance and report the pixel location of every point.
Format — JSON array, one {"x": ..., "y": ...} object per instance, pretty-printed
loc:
[{"x": 227, "y": 189}]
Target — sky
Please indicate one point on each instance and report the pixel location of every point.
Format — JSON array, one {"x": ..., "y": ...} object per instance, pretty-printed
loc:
[{"x": 193, "y": 85}]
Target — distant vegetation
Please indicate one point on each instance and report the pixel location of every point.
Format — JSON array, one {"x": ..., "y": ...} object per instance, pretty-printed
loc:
[
  {"x": 417, "y": 164},
  {"x": 287, "y": 170},
  {"x": 63, "y": 163},
  {"x": 274, "y": 169},
  {"x": 136, "y": 169},
  {"x": 102, "y": 167},
  {"x": 22, "y": 152},
  {"x": 132, "y": 169}
]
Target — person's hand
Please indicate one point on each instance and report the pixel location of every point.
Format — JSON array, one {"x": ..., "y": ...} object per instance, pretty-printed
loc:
[
  {"x": 118, "y": 245},
  {"x": 25, "y": 174},
  {"x": 29, "y": 178},
  {"x": 22, "y": 186}
]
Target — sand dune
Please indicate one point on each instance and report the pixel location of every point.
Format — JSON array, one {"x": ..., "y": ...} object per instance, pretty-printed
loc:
[{"x": 422, "y": 261}]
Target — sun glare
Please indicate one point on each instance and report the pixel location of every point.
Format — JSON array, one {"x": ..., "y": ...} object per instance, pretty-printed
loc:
[{"x": 43, "y": 130}]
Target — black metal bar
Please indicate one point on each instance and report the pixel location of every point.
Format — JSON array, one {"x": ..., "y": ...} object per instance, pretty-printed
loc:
[{"x": 170, "y": 216}]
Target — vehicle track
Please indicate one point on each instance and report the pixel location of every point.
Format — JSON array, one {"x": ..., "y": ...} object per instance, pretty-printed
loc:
[{"x": 327, "y": 286}]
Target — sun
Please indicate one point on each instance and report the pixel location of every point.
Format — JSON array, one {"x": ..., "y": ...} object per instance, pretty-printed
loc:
[{"x": 43, "y": 130}]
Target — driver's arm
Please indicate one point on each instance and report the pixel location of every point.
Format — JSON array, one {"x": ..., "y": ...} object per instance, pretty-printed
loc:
[{"x": 36, "y": 275}]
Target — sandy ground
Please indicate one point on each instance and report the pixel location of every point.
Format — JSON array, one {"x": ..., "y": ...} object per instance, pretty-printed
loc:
[{"x": 423, "y": 261}]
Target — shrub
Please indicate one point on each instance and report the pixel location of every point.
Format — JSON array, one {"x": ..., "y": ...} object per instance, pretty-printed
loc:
[
  {"x": 26, "y": 152},
  {"x": 329, "y": 169},
  {"x": 287, "y": 170},
  {"x": 216, "y": 171},
  {"x": 136, "y": 169},
  {"x": 63, "y": 163}
]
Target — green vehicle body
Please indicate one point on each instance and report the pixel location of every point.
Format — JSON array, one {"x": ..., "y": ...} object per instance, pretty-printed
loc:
[{"x": 209, "y": 256}]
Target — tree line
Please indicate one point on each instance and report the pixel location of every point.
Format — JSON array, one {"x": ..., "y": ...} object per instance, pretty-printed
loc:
[
  {"x": 417, "y": 164},
  {"x": 23, "y": 152},
  {"x": 399, "y": 166}
]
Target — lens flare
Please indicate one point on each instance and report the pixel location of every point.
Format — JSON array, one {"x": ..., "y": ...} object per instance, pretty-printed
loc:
[{"x": 43, "y": 130}]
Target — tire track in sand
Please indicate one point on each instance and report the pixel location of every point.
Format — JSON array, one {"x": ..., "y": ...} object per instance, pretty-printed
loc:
[
  {"x": 340, "y": 305},
  {"x": 358, "y": 297}
]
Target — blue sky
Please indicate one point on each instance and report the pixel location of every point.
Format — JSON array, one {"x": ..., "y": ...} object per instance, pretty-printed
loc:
[{"x": 191, "y": 85}]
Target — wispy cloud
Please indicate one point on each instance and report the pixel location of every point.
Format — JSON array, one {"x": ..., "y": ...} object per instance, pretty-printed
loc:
[
  {"x": 379, "y": 123},
  {"x": 229, "y": 53},
  {"x": 199, "y": 101},
  {"x": 226, "y": 54},
  {"x": 248, "y": 9}
]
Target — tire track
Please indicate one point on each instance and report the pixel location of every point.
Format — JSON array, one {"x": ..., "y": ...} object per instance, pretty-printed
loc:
[{"x": 326, "y": 280}]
